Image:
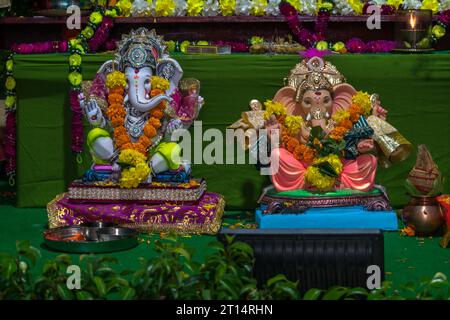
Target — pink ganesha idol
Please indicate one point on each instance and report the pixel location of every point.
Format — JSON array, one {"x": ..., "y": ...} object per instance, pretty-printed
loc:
[{"x": 331, "y": 136}]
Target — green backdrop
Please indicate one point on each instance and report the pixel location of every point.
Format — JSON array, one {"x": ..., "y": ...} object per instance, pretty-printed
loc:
[{"x": 414, "y": 88}]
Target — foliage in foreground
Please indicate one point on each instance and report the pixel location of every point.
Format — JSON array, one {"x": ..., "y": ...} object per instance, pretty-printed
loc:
[{"x": 173, "y": 274}]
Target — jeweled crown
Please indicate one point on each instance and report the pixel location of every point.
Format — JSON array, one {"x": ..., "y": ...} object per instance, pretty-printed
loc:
[
  {"x": 141, "y": 48},
  {"x": 313, "y": 74}
]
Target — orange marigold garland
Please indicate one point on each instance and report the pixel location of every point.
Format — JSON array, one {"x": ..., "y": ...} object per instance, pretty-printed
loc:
[
  {"x": 116, "y": 113},
  {"x": 344, "y": 120}
]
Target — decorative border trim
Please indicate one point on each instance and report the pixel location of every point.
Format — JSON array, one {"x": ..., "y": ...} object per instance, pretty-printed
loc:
[
  {"x": 370, "y": 202},
  {"x": 209, "y": 227},
  {"x": 140, "y": 195}
]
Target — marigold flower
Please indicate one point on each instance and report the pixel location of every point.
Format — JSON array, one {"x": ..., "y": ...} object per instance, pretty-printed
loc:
[
  {"x": 149, "y": 131},
  {"x": 154, "y": 122},
  {"x": 338, "y": 133},
  {"x": 157, "y": 113},
  {"x": 292, "y": 143},
  {"x": 346, "y": 124}
]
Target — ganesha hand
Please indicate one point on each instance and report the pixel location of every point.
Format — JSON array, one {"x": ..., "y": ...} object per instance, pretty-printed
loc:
[
  {"x": 379, "y": 112},
  {"x": 200, "y": 103},
  {"x": 172, "y": 126},
  {"x": 272, "y": 125},
  {"x": 365, "y": 145},
  {"x": 304, "y": 133},
  {"x": 92, "y": 111}
]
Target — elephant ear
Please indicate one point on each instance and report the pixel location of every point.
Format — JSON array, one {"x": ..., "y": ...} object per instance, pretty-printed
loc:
[
  {"x": 343, "y": 94},
  {"x": 170, "y": 69},
  {"x": 286, "y": 96},
  {"x": 106, "y": 68}
]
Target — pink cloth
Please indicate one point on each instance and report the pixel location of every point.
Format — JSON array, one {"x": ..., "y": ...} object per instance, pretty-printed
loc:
[{"x": 357, "y": 174}]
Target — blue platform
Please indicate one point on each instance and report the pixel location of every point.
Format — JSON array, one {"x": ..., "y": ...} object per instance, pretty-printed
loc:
[{"x": 351, "y": 217}]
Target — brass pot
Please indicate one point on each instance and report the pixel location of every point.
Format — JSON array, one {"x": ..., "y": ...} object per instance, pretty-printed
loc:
[{"x": 425, "y": 214}]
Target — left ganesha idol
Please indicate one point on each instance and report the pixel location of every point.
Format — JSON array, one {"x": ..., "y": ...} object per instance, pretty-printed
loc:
[{"x": 138, "y": 178}]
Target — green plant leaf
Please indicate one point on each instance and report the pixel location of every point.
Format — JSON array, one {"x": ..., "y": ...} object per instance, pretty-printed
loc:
[
  {"x": 128, "y": 293},
  {"x": 277, "y": 278},
  {"x": 31, "y": 253},
  {"x": 242, "y": 247},
  {"x": 63, "y": 292},
  {"x": 64, "y": 259},
  {"x": 312, "y": 294},
  {"x": 216, "y": 245},
  {"x": 335, "y": 293},
  {"x": 83, "y": 295},
  {"x": 292, "y": 293},
  {"x": 357, "y": 292},
  {"x": 327, "y": 169},
  {"x": 100, "y": 285},
  {"x": 206, "y": 294},
  {"x": 316, "y": 132},
  {"x": 182, "y": 252},
  {"x": 228, "y": 286},
  {"x": 8, "y": 267}
]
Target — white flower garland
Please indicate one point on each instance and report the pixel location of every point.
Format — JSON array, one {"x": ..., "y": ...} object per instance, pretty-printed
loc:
[
  {"x": 180, "y": 8},
  {"x": 342, "y": 7},
  {"x": 243, "y": 7},
  {"x": 141, "y": 8},
  {"x": 411, "y": 4},
  {"x": 444, "y": 5},
  {"x": 308, "y": 6},
  {"x": 269, "y": 7},
  {"x": 272, "y": 8},
  {"x": 211, "y": 8}
]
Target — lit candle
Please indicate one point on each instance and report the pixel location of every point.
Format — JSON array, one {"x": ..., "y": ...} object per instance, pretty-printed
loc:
[{"x": 412, "y": 22}]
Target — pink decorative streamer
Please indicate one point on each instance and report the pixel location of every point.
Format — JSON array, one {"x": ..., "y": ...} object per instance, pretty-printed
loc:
[
  {"x": 10, "y": 143},
  {"x": 101, "y": 34},
  {"x": 40, "y": 47},
  {"x": 235, "y": 45},
  {"x": 77, "y": 122}
]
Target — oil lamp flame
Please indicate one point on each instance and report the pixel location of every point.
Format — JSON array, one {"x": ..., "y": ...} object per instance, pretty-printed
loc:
[{"x": 412, "y": 21}]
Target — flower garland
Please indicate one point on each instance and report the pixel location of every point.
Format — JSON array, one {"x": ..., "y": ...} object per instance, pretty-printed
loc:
[
  {"x": 91, "y": 38},
  {"x": 136, "y": 169},
  {"x": 133, "y": 155},
  {"x": 40, "y": 47},
  {"x": 317, "y": 39},
  {"x": 10, "y": 130},
  {"x": 304, "y": 36},
  {"x": 322, "y": 150},
  {"x": 440, "y": 28},
  {"x": 164, "y": 8},
  {"x": 115, "y": 82}
]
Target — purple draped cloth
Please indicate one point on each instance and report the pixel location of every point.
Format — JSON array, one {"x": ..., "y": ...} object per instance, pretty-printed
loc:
[{"x": 203, "y": 217}]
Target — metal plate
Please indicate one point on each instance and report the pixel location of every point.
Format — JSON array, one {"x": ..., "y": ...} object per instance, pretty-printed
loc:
[{"x": 97, "y": 239}]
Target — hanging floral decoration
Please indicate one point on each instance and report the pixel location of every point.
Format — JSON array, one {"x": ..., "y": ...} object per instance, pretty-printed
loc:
[
  {"x": 40, "y": 47},
  {"x": 317, "y": 39},
  {"x": 227, "y": 7},
  {"x": 10, "y": 129},
  {"x": 194, "y": 7},
  {"x": 164, "y": 8},
  {"x": 91, "y": 38},
  {"x": 440, "y": 28}
]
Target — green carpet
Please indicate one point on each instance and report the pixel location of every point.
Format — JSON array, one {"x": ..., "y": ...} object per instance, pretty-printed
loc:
[{"x": 405, "y": 258}]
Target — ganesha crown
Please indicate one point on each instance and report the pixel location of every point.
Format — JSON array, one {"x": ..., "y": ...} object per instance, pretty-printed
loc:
[{"x": 140, "y": 48}]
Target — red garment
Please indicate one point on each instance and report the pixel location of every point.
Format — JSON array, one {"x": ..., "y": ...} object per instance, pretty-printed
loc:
[{"x": 357, "y": 174}]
